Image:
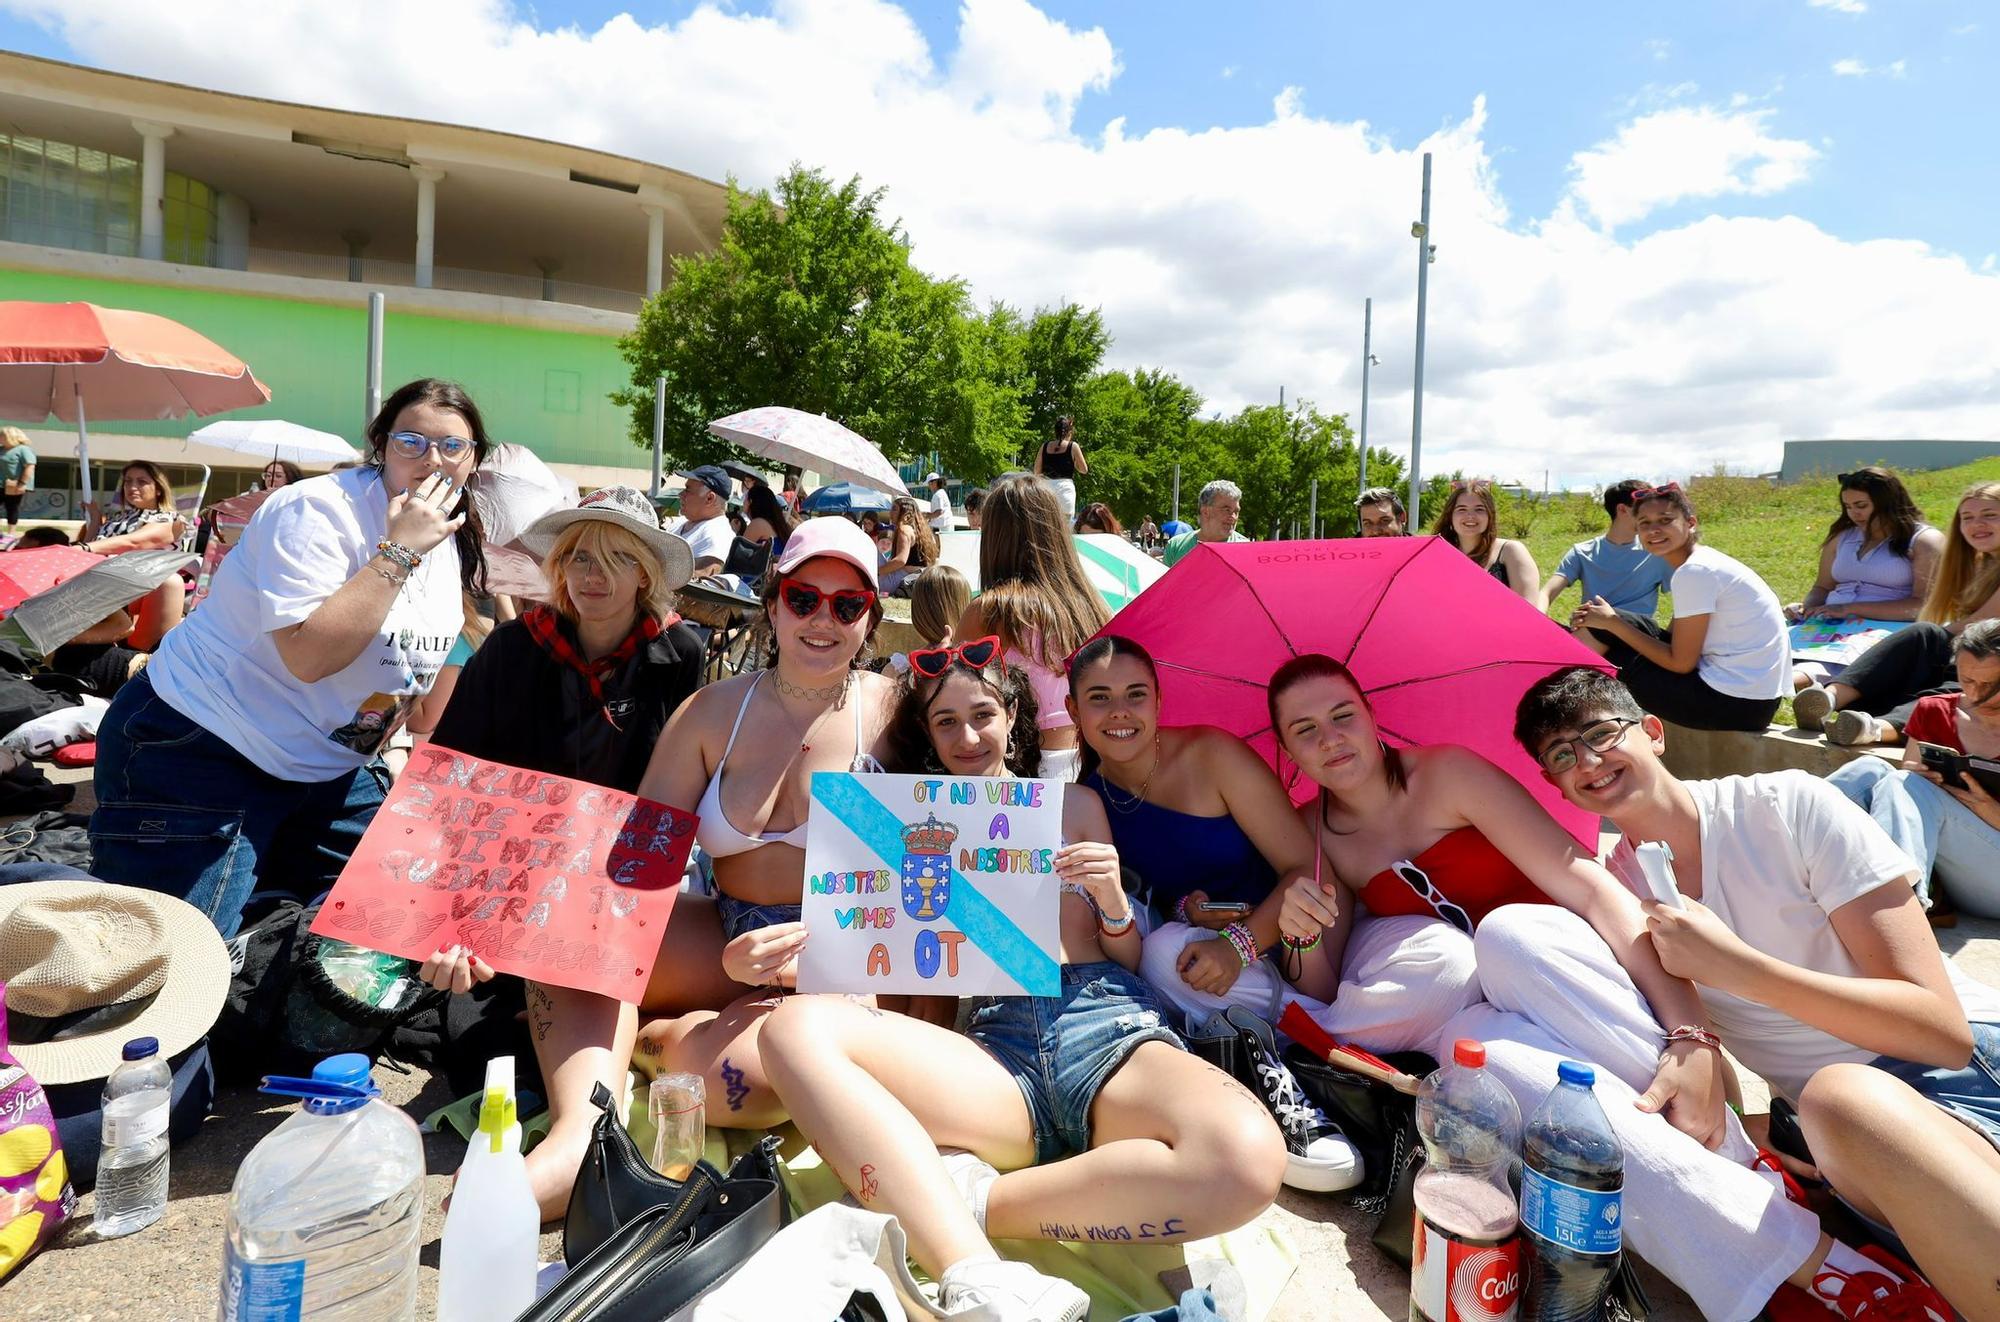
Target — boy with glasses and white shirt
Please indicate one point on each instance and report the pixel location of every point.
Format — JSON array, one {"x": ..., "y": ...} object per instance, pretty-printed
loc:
[{"x": 1796, "y": 921}]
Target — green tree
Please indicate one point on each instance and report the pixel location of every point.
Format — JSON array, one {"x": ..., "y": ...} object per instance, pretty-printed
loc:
[
  {"x": 1064, "y": 348},
  {"x": 811, "y": 301},
  {"x": 1135, "y": 427}
]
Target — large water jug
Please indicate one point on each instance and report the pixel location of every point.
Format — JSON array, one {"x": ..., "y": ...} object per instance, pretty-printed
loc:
[{"x": 325, "y": 1212}]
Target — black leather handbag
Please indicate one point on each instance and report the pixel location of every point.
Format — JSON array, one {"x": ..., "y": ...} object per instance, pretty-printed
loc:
[{"x": 641, "y": 1246}]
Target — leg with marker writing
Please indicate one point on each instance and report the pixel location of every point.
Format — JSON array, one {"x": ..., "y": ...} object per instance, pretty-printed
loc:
[
  {"x": 581, "y": 1038},
  {"x": 1179, "y": 1150},
  {"x": 878, "y": 1094}
]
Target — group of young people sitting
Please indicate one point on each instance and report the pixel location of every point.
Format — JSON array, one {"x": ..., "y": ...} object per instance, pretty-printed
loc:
[{"x": 1419, "y": 895}]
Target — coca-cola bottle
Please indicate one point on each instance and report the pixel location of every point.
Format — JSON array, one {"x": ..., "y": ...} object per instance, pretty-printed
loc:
[{"x": 1465, "y": 1265}]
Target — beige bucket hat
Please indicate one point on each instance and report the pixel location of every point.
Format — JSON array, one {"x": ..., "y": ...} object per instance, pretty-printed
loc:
[{"x": 89, "y": 966}]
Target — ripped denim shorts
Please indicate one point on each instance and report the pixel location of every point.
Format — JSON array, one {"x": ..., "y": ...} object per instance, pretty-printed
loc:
[{"x": 1063, "y": 1049}]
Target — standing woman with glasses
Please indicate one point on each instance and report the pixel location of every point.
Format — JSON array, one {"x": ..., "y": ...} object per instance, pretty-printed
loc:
[
  {"x": 1430, "y": 841},
  {"x": 1470, "y": 521},
  {"x": 1725, "y": 660},
  {"x": 740, "y": 755},
  {"x": 247, "y": 750}
]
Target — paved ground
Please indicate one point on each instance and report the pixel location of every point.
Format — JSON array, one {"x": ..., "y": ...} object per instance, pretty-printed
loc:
[{"x": 170, "y": 1272}]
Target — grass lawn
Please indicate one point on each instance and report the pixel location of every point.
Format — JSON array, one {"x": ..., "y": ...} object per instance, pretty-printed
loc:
[{"x": 1776, "y": 530}]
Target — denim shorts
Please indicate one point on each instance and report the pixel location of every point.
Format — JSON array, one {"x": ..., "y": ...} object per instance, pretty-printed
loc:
[
  {"x": 1062, "y": 1049},
  {"x": 740, "y": 916},
  {"x": 1970, "y": 1095}
]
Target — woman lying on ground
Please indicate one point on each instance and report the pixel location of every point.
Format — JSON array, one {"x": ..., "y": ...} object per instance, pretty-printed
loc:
[
  {"x": 1107, "y": 1127},
  {"x": 247, "y": 749},
  {"x": 1034, "y": 596},
  {"x": 583, "y": 689},
  {"x": 1873, "y": 698},
  {"x": 1952, "y": 831},
  {"x": 1725, "y": 660},
  {"x": 1208, "y": 832},
  {"x": 148, "y": 522},
  {"x": 1431, "y": 840},
  {"x": 740, "y": 755},
  {"x": 1471, "y": 522}
]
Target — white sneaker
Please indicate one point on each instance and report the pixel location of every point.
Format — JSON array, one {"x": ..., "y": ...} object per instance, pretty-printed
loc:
[
  {"x": 972, "y": 1178},
  {"x": 1810, "y": 707},
  {"x": 1013, "y": 1291}
]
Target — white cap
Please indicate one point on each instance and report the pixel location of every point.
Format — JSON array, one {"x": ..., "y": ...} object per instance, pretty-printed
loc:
[{"x": 935, "y": 477}]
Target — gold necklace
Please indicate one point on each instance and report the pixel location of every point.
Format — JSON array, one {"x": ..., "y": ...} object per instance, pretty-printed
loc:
[
  {"x": 1132, "y": 804},
  {"x": 827, "y": 694}
]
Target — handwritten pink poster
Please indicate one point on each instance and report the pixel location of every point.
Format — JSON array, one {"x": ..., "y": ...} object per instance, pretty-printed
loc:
[{"x": 551, "y": 879}]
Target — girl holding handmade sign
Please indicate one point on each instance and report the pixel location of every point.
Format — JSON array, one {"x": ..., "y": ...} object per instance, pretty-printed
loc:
[
  {"x": 582, "y": 688},
  {"x": 740, "y": 755},
  {"x": 1108, "y": 1128}
]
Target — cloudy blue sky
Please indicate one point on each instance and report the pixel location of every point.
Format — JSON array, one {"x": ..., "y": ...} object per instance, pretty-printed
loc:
[{"x": 1669, "y": 235}]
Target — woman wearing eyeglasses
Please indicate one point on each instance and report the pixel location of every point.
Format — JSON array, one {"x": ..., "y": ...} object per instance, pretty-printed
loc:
[
  {"x": 740, "y": 755},
  {"x": 1470, "y": 521},
  {"x": 1417, "y": 847},
  {"x": 582, "y": 688},
  {"x": 1725, "y": 660},
  {"x": 1105, "y": 1125},
  {"x": 248, "y": 748}
]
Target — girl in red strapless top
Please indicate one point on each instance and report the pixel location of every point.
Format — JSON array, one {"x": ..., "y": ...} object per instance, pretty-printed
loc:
[
  {"x": 1462, "y": 870},
  {"x": 1429, "y": 840}
]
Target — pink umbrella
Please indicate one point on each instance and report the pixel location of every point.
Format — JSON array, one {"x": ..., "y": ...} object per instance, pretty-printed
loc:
[
  {"x": 810, "y": 441},
  {"x": 1443, "y": 651},
  {"x": 68, "y": 358}
]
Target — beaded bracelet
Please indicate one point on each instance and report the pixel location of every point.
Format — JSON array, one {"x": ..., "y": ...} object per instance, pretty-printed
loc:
[
  {"x": 399, "y": 554},
  {"x": 1180, "y": 910},
  {"x": 1238, "y": 935},
  {"x": 1310, "y": 943},
  {"x": 1119, "y": 928}
]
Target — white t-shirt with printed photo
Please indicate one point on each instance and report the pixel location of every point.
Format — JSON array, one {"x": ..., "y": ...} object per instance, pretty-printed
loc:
[
  {"x": 221, "y": 669},
  {"x": 1747, "y": 652},
  {"x": 1780, "y": 852}
]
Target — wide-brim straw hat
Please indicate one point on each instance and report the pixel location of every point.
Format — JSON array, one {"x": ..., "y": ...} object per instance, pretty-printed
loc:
[
  {"x": 90, "y": 966},
  {"x": 622, "y": 507}
]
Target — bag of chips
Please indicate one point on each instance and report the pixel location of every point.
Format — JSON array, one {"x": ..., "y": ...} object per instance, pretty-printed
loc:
[{"x": 35, "y": 1193}]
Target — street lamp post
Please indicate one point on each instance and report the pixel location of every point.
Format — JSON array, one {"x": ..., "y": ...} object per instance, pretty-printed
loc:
[
  {"x": 1426, "y": 254},
  {"x": 1367, "y": 361}
]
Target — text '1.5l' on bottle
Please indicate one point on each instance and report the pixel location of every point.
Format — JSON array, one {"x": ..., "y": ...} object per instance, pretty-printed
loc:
[{"x": 1572, "y": 1202}]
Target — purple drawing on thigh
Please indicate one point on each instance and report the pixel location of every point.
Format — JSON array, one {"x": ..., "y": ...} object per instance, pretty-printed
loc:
[{"x": 734, "y": 1090}]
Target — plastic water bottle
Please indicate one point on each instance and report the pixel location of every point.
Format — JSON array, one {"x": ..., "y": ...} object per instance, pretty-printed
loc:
[
  {"x": 132, "y": 1167},
  {"x": 1572, "y": 1188},
  {"x": 325, "y": 1212},
  {"x": 487, "y": 1264},
  {"x": 1465, "y": 1265}
]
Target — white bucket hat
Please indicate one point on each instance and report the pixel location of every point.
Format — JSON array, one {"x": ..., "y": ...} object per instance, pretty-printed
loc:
[
  {"x": 623, "y": 507},
  {"x": 90, "y": 966}
]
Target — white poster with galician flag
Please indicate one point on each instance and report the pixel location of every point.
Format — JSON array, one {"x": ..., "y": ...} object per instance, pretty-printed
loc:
[{"x": 932, "y": 885}]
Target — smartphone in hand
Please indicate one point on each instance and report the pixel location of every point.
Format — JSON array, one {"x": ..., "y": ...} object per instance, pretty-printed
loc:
[{"x": 1220, "y": 906}]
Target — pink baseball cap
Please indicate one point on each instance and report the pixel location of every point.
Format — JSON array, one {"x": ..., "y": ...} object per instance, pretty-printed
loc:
[{"x": 833, "y": 536}]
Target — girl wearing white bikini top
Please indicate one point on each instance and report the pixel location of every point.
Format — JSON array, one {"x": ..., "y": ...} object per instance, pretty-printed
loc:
[{"x": 812, "y": 710}]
